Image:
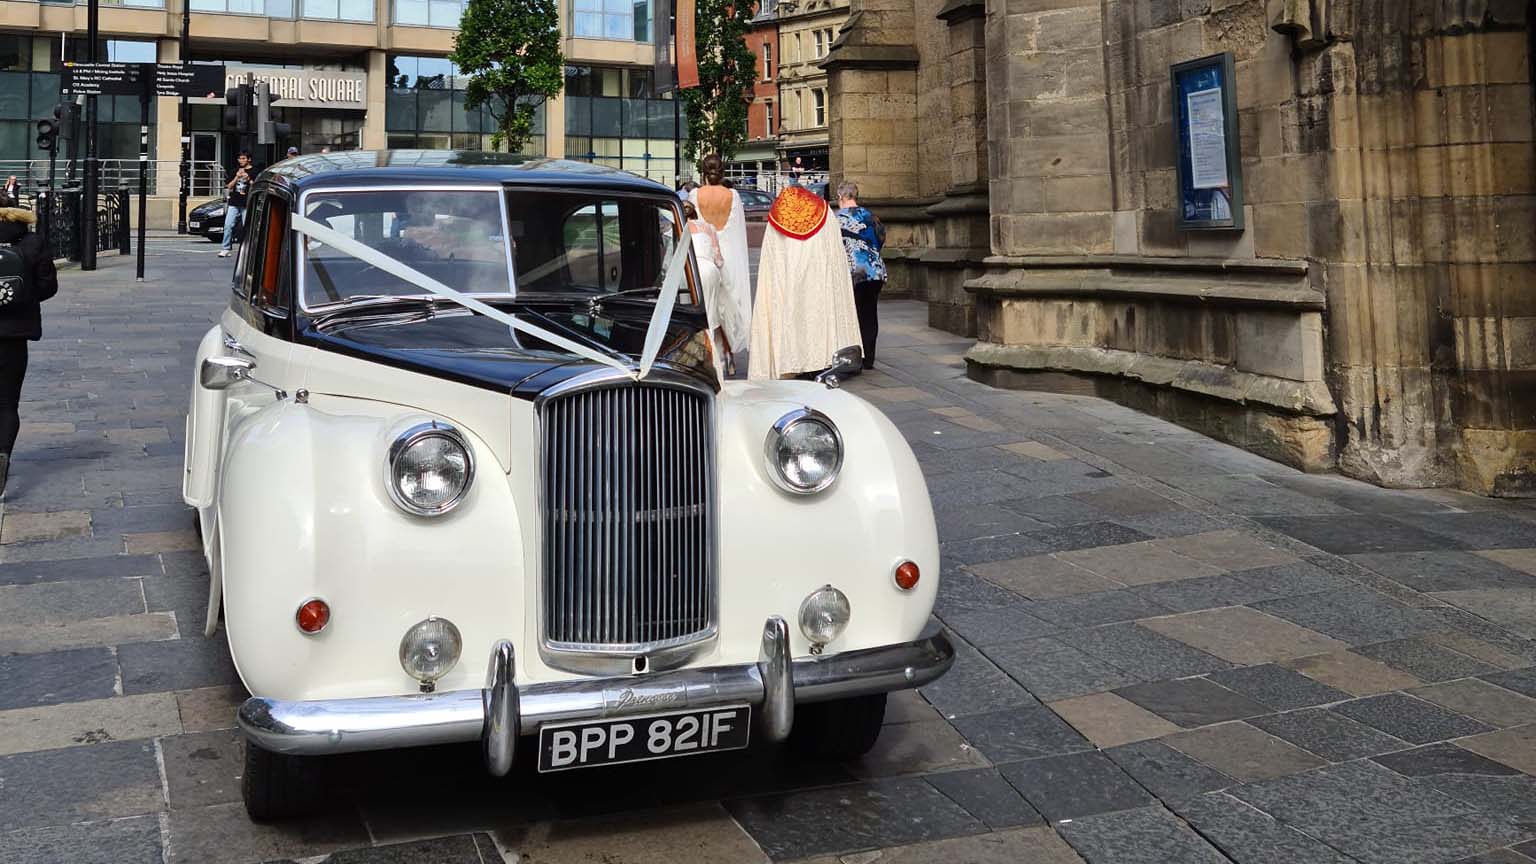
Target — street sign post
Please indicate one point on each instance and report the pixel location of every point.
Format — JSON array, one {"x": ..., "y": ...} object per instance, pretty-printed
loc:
[
  {"x": 144, "y": 80},
  {"x": 193, "y": 80}
]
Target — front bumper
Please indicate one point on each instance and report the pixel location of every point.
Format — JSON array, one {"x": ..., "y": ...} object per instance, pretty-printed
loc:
[{"x": 503, "y": 710}]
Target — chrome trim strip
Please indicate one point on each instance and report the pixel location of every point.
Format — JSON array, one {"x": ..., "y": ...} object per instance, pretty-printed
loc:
[{"x": 390, "y": 722}]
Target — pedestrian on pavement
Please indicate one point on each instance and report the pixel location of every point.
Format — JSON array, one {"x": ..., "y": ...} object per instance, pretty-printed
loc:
[
  {"x": 239, "y": 189},
  {"x": 863, "y": 238},
  {"x": 721, "y": 207},
  {"x": 21, "y": 320}
]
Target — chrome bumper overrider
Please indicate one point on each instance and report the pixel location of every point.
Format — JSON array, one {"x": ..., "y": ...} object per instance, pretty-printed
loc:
[{"x": 503, "y": 710}]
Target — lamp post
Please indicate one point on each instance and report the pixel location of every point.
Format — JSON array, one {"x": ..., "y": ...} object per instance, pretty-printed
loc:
[
  {"x": 184, "y": 112},
  {"x": 92, "y": 168}
]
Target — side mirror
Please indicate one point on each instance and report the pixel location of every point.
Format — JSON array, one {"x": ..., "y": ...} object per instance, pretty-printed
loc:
[
  {"x": 217, "y": 373},
  {"x": 845, "y": 363}
]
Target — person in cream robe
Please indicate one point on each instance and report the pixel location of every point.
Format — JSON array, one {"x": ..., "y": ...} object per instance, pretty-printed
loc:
[{"x": 804, "y": 310}]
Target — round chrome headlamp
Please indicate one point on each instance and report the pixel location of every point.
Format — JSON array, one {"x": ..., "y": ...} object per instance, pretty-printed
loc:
[
  {"x": 804, "y": 451},
  {"x": 430, "y": 649},
  {"x": 823, "y": 615},
  {"x": 429, "y": 469}
]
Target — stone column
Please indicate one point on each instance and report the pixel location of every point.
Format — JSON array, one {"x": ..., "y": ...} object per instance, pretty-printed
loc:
[
  {"x": 1051, "y": 189},
  {"x": 374, "y": 136},
  {"x": 872, "y": 88},
  {"x": 167, "y": 153},
  {"x": 1426, "y": 234}
]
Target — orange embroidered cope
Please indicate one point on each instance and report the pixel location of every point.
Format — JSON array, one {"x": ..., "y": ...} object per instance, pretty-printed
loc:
[{"x": 797, "y": 212}]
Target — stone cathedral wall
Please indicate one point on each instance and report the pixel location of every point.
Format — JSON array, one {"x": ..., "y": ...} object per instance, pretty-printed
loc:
[{"x": 1377, "y": 314}]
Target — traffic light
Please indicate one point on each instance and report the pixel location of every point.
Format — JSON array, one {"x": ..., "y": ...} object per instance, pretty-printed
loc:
[
  {"x": 268, "y": 131},
  {"x": 47, "y": 134},
  {"x": 240, "y": 108},
  {"x": 66, "y": 116}
]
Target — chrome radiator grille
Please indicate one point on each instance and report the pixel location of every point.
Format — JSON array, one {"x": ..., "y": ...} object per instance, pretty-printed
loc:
[{"x": 628, "y": 488}]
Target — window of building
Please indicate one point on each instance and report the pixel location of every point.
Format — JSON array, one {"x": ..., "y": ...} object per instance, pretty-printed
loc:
[
  {"x": 425, "y": 109},
  {"x": 429, "y": 13},
  {"x": 627, "y": 20},
  {"x": 768, "y": 111},
  {"x": 821, "y": 106},
  {"x": 29, "y": 90},
  {"x": 269, "y": 8},
  {"x": 820, "y": 45},
  {"x": 767, "y": 62},
  {"x": 338, "y": 10},
  {"x": 613, "y": 117}
]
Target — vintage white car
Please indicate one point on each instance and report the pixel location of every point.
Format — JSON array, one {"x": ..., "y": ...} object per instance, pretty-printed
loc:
[{"x": 466, "y": 470}]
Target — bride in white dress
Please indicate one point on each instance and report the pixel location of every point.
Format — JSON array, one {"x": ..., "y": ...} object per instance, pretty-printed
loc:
[
  {"x": 721, "y": 209},
  {"x": 706, "y": 251}
]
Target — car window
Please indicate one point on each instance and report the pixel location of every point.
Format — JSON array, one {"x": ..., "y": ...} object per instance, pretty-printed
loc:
[
  {"x": 590, "y": 243},
  {"x": 243, "y": 266},
  {"x": 269, "y": 283},
  {"x": 453, "y": 236}
]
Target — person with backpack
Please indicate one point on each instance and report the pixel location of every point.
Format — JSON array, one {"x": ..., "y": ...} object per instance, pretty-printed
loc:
[
  {"x": 863, "y": 238},
  {"x": 27, "y": 278}
]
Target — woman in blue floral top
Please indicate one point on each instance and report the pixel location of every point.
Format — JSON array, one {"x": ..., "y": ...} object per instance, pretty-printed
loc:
[{"x": 862, "y": 238}]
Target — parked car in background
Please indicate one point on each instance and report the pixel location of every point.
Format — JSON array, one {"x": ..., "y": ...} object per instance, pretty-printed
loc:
[
  {"x": 207, "y": 220},
  {"x": 465, "y": 469},
  {"x": 756, "y": 204}
]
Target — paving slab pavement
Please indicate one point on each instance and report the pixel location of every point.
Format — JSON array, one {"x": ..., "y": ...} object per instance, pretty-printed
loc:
[{"x": 1169, "y": 650}]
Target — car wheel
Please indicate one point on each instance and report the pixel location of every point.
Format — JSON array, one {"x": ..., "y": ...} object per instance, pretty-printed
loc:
[
  {"x": 277, "y": 786},
  {"x": 844, "y": 729}
]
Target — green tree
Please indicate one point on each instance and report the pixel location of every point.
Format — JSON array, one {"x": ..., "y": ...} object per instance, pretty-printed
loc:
[
  {"x": 510, "y": 49},
  {"x": 717, "y": 108}
]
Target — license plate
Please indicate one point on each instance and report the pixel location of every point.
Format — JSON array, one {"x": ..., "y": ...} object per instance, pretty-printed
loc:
[
  {"x": 194, "y": 225},
  {"x": 638, "y": 739}
]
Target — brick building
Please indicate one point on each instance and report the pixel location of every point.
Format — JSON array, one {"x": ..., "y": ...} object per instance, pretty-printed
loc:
[
  {"x": 1374, "y": 314},
  {"x": 760, "y": 156}
]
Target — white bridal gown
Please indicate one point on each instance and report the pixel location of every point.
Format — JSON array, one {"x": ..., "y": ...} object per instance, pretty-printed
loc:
[{"x": 734, "y": 309}]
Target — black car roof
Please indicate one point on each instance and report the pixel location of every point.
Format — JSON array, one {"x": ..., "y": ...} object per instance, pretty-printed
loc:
[{"x": 391, "y": 167}]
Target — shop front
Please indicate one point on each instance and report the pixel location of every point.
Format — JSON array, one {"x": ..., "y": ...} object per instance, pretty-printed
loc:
[{"x": 325, "y": 110}]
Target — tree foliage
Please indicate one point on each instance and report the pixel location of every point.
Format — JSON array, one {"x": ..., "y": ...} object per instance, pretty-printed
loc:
[
  {"x": 717, "y": 108},
  {"x": 510, "y": 49}
]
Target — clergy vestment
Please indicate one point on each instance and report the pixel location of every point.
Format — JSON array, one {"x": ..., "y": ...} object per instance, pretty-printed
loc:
[{"x": 804, "y": 311}]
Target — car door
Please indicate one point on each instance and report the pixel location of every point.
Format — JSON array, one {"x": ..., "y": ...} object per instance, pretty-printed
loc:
[{"x": 256, "y": 328}]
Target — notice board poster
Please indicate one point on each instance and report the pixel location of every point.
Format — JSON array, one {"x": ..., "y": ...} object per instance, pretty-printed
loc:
[{"x": 1210, "y": 163}]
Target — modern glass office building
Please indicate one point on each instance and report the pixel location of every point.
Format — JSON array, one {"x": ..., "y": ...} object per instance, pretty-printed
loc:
[{"x": 346, "y": 81}]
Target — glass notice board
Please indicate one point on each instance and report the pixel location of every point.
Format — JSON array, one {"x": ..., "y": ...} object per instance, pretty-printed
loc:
[{"x": 1209, "y": 153}]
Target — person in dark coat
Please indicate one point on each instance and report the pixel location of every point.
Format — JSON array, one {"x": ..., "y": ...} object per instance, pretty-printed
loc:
[{"x": 21, "y": 321}]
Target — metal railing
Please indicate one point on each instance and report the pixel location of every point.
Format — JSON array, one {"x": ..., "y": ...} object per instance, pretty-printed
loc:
[
  {"x": 164, "y": 176},
  {"x": 770, "y": 181},
  {"x": 61, "y": 224}
]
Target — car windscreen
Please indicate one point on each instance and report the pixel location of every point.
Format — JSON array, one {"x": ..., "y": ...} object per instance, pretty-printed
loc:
[
  {"x": 590, "y": 243},
  {"x": 452, "y": 235}
]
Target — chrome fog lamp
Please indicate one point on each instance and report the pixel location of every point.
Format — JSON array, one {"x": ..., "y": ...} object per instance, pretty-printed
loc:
[
  {"x": 430, "y": 469},
  {"x": 823, "y": 616},
  {"x": 804, "y": 452},
  {"x": 429, "y": 650}
]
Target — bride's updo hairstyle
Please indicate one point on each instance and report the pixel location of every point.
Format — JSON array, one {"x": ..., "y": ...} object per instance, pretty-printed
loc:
[{"x": 713, "y": 170}]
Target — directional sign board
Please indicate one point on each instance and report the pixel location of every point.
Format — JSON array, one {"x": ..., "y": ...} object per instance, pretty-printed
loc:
[
  {"x": 107, "y": 79},
  {"x": 196, "y": 80}
]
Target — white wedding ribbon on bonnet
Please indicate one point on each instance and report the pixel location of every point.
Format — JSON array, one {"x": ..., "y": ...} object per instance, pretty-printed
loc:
[{"x": 654, "y": 333}]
